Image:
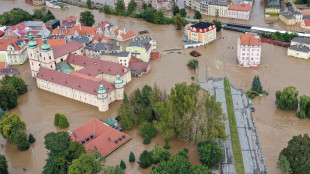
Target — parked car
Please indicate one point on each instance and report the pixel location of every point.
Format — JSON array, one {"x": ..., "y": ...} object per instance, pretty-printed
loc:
[{"x": 252, "y": 109}]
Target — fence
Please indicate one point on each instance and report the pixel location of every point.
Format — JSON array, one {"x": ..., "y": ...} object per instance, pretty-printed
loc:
[{"x": 275, "y": 42}]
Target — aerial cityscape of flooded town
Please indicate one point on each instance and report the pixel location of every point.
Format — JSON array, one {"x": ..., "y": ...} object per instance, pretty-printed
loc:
[{"x": 89, "y": 72}]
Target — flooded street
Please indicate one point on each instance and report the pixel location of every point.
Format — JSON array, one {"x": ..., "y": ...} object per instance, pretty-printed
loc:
[{"x": 275, "y": 128}]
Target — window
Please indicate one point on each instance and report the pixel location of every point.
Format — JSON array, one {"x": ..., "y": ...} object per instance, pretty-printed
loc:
[
  {"x": 51, "y": 66},
  {"x": 50, "y": 57}
]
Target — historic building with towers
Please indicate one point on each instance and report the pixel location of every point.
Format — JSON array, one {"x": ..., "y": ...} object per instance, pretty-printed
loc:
[{"x": 65, "y": 71}]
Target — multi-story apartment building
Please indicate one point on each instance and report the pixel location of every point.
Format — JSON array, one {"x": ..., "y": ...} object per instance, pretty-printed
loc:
[
  {"x": 202, "y": 32},
  {"x": 300, "y": 48},
  {"x": 141, "y": 47},
  {"x": 36, "y": 2},
  {"x": 249, "y": 50},
  {"x": 241, "y": 11},
  {"x": 218, "y": 9},
  {"x": 94, "y": 50},
  {"x": 272, "y": 6},
  {"x": 13, "y": 50},
  {"x": 164, "y": 5}
]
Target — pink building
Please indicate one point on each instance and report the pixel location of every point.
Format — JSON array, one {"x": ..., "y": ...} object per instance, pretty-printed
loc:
[
  {"x": 165, "y": 5},
  {"x": 249, "y": 50},
  {"x": 241, "y": 11}
]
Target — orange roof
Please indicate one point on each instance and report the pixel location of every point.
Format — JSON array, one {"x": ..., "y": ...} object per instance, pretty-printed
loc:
[
  {"x": 116, "y": 31},
  {"x": 53, "y": 42},
  {"x": 101, "y": 137},
  {"x": 85, "y": 30},
  {"x": 103, "y": 37},
  {"x": 307, "y": 22},
  {"x": 99, "y": 39},
  {"x": 2, "y": 65},
  {"x": 86, "y": 76},
  {"x": 4, "y": 43},
  {"x": 128, "y": 35},
  {"x": 102, "y": 24},
  {"x": 250, "y": 39},
  {"x": 64, "y": 31},
  {"x": 242, "y": 7},
  {"x": 2, "y": 33},
  {"x": 305, "y": 12}
]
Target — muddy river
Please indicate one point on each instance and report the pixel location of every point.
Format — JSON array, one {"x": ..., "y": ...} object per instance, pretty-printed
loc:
[{"x": 275, "y": 128}]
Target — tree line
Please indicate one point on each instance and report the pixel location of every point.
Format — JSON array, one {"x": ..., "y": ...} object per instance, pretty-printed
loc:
[
  {"x": 285, "y": 37},
  {"x": 17, "y": 15}
]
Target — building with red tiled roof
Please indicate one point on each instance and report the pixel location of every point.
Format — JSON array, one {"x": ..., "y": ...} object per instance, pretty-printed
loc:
[
  {"x": 305, "y": 24},
  {"x": 126, "y": 36},
  {"x": 63, "y": 70},
  {"x": 13, "y": 51},
  {"x": 52, "y": 42},
  {"x": 249, "y": 50},
  {"x": 70, "y": 22},
  {"x": 139, "y": 68},
  {"x": 241, "y": 11},
  {"x": 98, "y": 136}
]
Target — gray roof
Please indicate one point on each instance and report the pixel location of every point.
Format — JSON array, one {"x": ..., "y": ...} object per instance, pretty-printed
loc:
[
  {"x": 52, "y": 21},
  {"x": 140, "y": 41},
  {"x": 302, "y": 40},
  {"x": 219, "y": 3},
  {"x": 300, "y": 48},
  {"x": 102, "y": 46},
  {"x": 81, "y": 39},
  {"x": 120, "y": 54},
  {"x": 305, "y": 17},
  {"x": 287, "y": 15},
  {"x": 273, "y": 4},
  {"x": 33, "y": 23}
]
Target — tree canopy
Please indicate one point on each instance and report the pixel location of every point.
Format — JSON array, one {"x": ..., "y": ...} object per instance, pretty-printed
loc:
[
  {"x": 211, "y": 153},
  {"x": 304, "y": 107},
  {"x": 218, "y": 25},
  {"x": 87, "y": 18},
  {"x": 12, "y": 128},
  {"x": 131, "y": 6},
  {"x": 120, "y": 6},
  {"x": 297, "y": 154},
  {"x": 197, "y": 15},
  {"x": 175, "y": 10},
  {"x": 85, "y": 164},
  {"x": 145, "y": 159},
  {"x": 159, "y": 154},
  {"x": 192, "y": 63},
  {"x": 15, "y": 16},
  {"x": 183, "y": 12},
  {"x": 3, "y": 165},
  {"x": 179, "y": 21},
  {"x": 17, "y": 82},
  {"x": 287, "y": 99},
  {"x": 176, "y": 164},
  {"x": 8, "y": 95},
  {"x": 256, "y": 85},
  {"x": 285, "y": 37},
  {"x": 43, "y": 14}
]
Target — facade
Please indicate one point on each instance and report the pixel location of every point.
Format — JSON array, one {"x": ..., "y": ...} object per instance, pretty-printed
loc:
[
  {"x": 305, "y": 24},
  {"x": 122, "y": 58},
  {"x": 164, "y": 5},
  {"x": 300, "y": 48},
  {"x": 93, "y": 81},
  {"x": 287, "y": 18},
  {"x": 202, "y": 32},
  {"x": 218, "y": 9},
  {"x": 141, "y": 48},
  {"x": 94, "y": 50},
  {"x": 13, "y": 51},
  {"x": 100, "y": 137},
  {"x": 249, "y": 50},
  {"x": 36, "y": 2},
  {"x": 272, "y": 7},
  {"x": 241, "y": 11}
]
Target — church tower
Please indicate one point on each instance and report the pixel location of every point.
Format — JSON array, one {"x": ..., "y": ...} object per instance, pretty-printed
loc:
[
  {"x": 103, "y": 99},
  {"x": 119, "y": 88},
  {"x": 47, "y": 56},
  {"x": 33, "y": 50}
]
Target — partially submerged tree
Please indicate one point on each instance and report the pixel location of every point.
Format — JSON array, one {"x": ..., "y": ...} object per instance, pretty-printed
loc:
[{"x": 287, "y": 99}]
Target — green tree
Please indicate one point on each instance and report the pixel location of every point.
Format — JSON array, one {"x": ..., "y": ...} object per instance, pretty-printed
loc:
[
  {"x": 122, "y": 164},
  {"x": 145, "y": 159},
  {"x": 87, "y": 18},
  {"x": 175, "y": 10},
  {"x": 126, "y": 116},
  {"x": 43, "y": 14},
  {"x": 179, "y": 22},
  {"x": 113, "y": 170},
  {"x": 284, "y": 165},
  {"x": 31, "y": 139},
  {"x": 8, "y": 97},
  {"x": 287, "y": 99},
  {"x": 304, "y": 107},
  {"x": 63, "y": 122},
  {"x": 15, "y": 16},
  {"x": 3, "y": 165},
  {"x": 159, "y": 154},
  {"x": 75, "y": 149},
  {"x": 147, "y": 130},
  {"x": 197, "y": 15},
  {"x": 183, "y": 12},
  {"x": 192, "y": 63},
  {"x": 149, "y": 5},
  {"x": 256, "y": 85},
  {"x": 132, "y": 157},
  {"x": 297, "y": 154},
  {"x": 23, "y": 144},
  {"x": 106, "y": 9},
  {"x": 120, "y": 6},
  {"x": 218, "y": 25},
  {"x": 201, "y": 169},
  {"x": 131, "y": 6},
  {"x": 159, "y": 17},
  {"x": 13, "y": 128},
  {"x": 85, "y": 164},
  {"x": 88, "y": 4},
  {"x": 144, "y": 6},
  {"x": 211, "y": 153},
  {"x": 17, "y": 82},
  {"x": 166, "y": 122},
  {"x": 56, "y": 119},
  {"x": 175, "y": 164}
]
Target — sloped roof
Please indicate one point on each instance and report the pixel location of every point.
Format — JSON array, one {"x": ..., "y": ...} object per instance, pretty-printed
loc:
[
  {"x": 73, "y": 81},
  {"x": 303, "y": 40},
  {"x": 250, "y": 39},
  {"x": 110, "y": 121},
  {"x": 128, "y": 35},
  {"x": 307, "y": 22},
  {"x": 66, "y": 48},
  {"x": 85, "y": 30},
  {"x": 241, "y": 7},
  {"x": 103, "y": 139},
  {"x": 2, "y": 33},
  {"x": 14, "y": 41},
  {"x": 2, "y": 66},
  {"x": 52, "y": 42},
  {"x": 139, "y": 66}
]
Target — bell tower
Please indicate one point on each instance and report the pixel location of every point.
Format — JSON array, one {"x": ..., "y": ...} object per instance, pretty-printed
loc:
[
  {"x": 119, "y": 88},
  {"x": 33, "y": 50},
  {"x": 47, "y": 56},
  {"x": 103, "y": 99}
]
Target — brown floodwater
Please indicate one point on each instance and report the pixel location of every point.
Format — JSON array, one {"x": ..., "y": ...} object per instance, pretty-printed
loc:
[{"x": 275, "y": 128}]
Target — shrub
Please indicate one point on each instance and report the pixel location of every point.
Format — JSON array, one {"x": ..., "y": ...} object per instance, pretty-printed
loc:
[
  {"x": 31, "y": 139},
  {"x": 122, "y": 165},
  {"x": 146, "y": 141},
  {"x": 192, "y": 63},
  {"x": 132, "y": 157},
  {"x": 184, "y": 153},
  {"x": 145, "y": 159},
  {"x": 166, "y": 145},
  {"x": 287, "y": 99},
  {"x": 159, "y": 154},
  {"x": 23, "y": 144},
  {"x": 147, "y": 130},
  {"x": 56, "y": 119},
  {"x": 63, "y": 122},
  {"x": 3, "y": 165},
  {"x": 211, "y": 153}
]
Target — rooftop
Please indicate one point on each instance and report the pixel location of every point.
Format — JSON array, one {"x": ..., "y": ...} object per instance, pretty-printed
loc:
[
  {"x": 105, "y": 138},
  {"x": 66, "y": 48},
  {"x": 242, "y": 7},
  {"x": 250, "y": 39},
  {"x": 202, "y": 25},
  {"x": 302, "y": 40},
  {"x": 52, "y": 21},
  {"x": 287, "y": 15},
  {"x": 120, "y": 54},
  {"x": 52, "y": 42},
  {"x": 64, "y": 67},
  {"x": 14, "y": 41},
  {"x": 102, "y": 46},
  {"x": 300, "y": 48}
]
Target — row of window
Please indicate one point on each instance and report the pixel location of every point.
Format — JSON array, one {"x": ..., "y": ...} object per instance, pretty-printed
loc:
[{"x": 243, "y": 54}]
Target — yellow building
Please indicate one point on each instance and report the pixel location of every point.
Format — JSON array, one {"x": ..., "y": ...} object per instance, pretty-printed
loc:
[
  {"x": 287, "y": 18},
  {"x": 141, "y": 47},
  {"x": 272, "y": 7},
  {"x": 300, "y": 48}
]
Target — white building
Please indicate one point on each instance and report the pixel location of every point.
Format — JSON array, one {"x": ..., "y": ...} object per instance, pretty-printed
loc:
[{"x": 249, "y": 50}]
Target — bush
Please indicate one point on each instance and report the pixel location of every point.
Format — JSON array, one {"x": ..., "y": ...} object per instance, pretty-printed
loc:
[
  {"x": 211, "y": 153},
  {"x": 184, "y": 153},
  {"x": 132, "y": 157},
  {"x": 31, "y": 139},
  {"x": 3, "y": 165},
  {"x": 287, "y": 99},
  {"x": 145, "y": 159},
  {"x": 167, "y": 145},
  {"x": 146, "y": 140},
  {"x": 122, "y": 165},
  {"x": 159, "y": 154},
  {"x": 23, "y": 144},
  {"x": 56, "y": 119},
  {"x": 17, "y": 82},
  {"x": 192, "y": 63},
  {"x": 63, "y": 122},
  {"x": 147, "y": 130},
  {"x": 251, "y": 94}
]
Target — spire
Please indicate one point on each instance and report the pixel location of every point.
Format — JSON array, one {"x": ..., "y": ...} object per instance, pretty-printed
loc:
[
  {"x": 118, "y": 80},
  {"x": 32, "y": 43},
  {"x": 45, "y": 46},
  {"x": 101, "y": 89}
]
